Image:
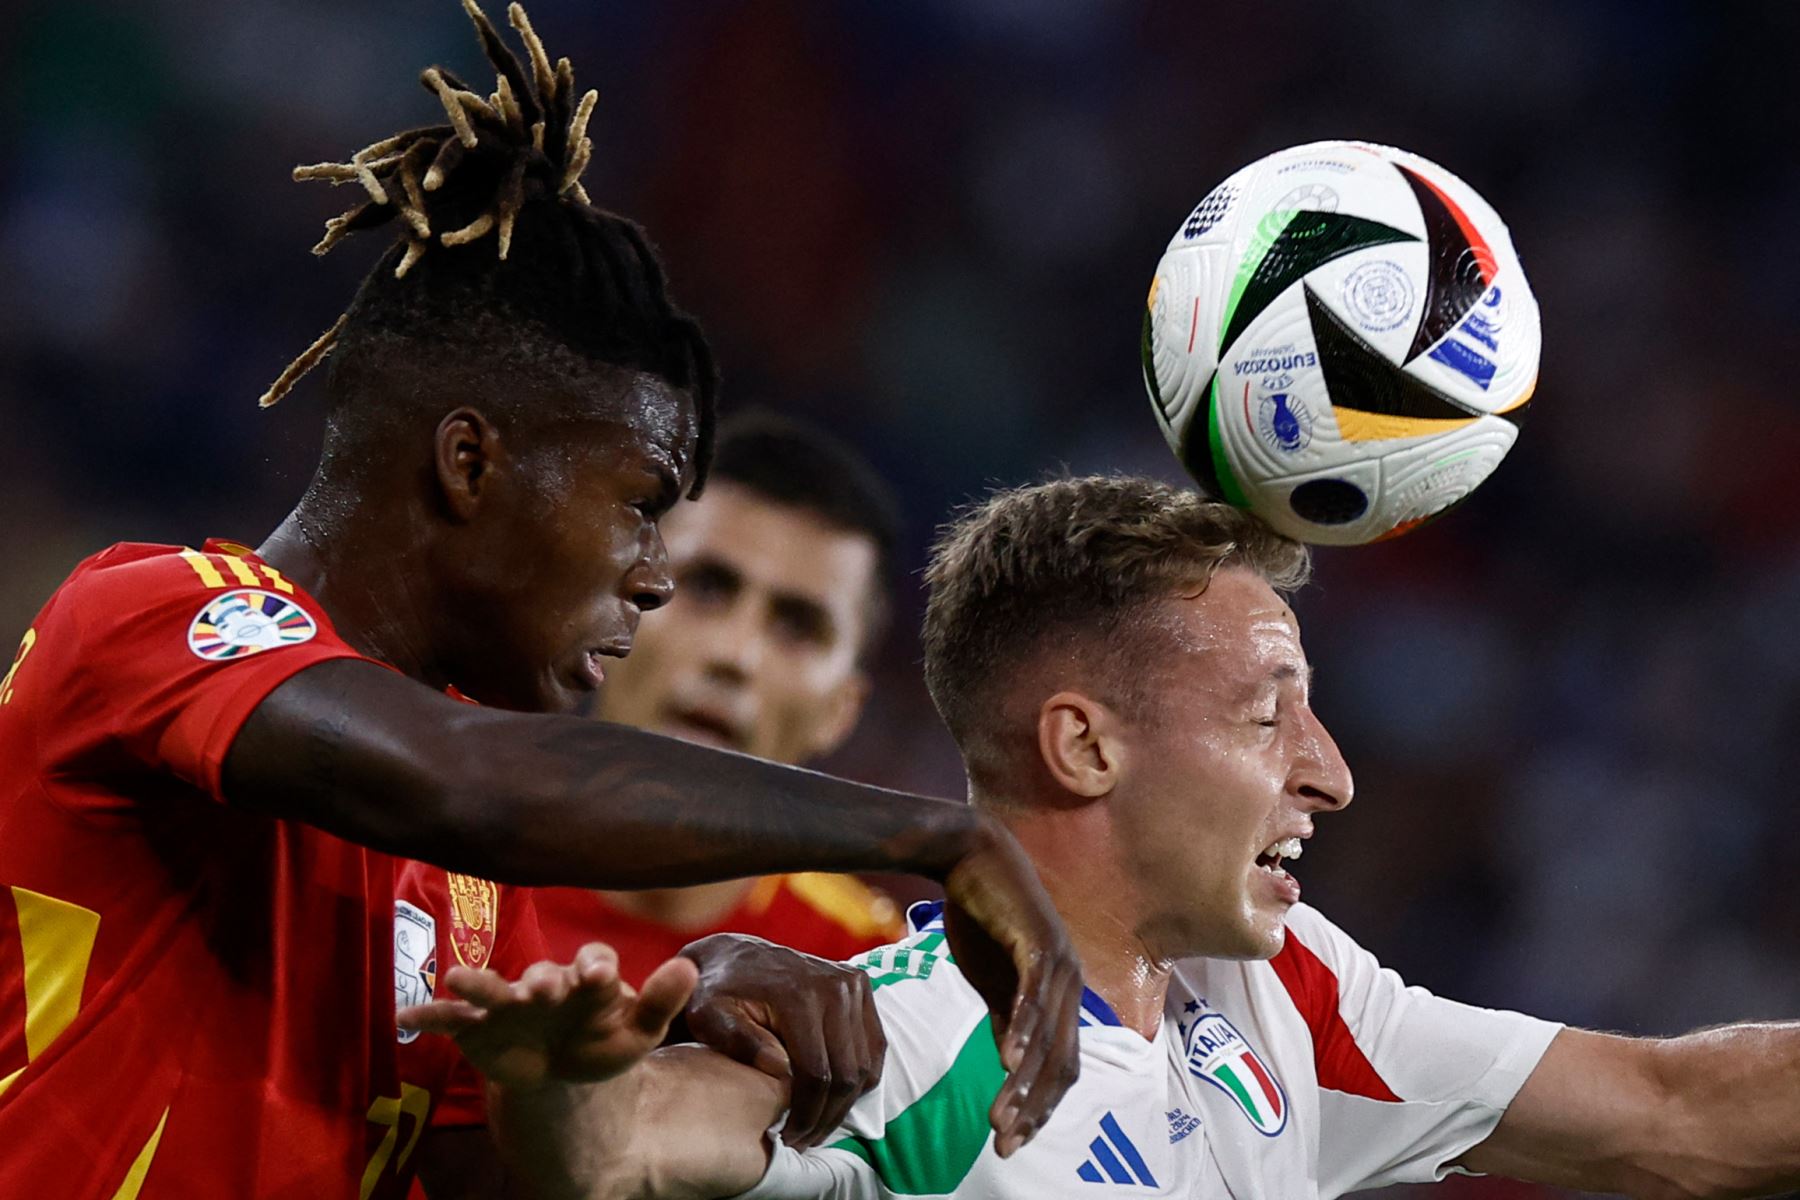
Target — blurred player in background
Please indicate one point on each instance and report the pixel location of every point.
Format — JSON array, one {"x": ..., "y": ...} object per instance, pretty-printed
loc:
[
  {"x": 1130, "y": 695},
  {"x": 781, "y": 577},
  {"x": 213, "y": 760}
]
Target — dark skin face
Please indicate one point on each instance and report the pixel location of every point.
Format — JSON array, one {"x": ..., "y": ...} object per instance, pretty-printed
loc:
[
  {"x": 518, "y": 555},
  {"x": 554, "y": 551}
]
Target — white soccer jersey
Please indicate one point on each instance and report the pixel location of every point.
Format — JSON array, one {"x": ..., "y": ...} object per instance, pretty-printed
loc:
[{"x": 1306, "y": 1076}]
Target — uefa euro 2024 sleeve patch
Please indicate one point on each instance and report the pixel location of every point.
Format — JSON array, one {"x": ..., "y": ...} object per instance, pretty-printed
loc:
[{"x": 248, "y": 621}]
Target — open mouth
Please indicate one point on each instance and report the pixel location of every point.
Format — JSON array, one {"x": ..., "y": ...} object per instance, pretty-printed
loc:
[
  {"x": 1276, "y": 854},
  {"x": 592, "y": 672}
]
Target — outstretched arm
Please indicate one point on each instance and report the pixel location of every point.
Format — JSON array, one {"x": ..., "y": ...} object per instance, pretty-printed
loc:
[
  {"x": 1715, "y": 1113},
  {"x": 379, "y": 759},
  {"x": 536, "y": 800}
]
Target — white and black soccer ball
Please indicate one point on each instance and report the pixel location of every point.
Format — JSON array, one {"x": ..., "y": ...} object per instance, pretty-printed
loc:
[{"x": 1340, "y": 338}]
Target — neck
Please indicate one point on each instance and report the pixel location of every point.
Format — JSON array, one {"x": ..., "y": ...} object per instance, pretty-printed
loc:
[
  {"x": 368, "y": 576},
  {"x": 1098, "y": 904},
  {"x": 687, "y": 910}
]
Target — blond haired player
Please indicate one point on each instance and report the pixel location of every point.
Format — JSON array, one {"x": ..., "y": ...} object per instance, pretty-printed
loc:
[{"x": 1129, "y": 691}]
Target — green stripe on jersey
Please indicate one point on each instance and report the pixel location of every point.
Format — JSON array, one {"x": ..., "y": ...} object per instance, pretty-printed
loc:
[
  {"x": 930, "y": 1147},
  {"x": 902, "y": 961}
]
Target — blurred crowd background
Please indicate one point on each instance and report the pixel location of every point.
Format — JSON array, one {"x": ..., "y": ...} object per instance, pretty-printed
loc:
[{"x": 1572, "y": 708}]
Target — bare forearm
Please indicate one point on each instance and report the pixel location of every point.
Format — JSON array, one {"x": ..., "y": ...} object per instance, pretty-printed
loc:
[
  {"x": 1737, "y": 1097},
  {"x": 1715, "y": 1113},
  {"x": 654, "y": 811},
  {"x": 685, "y": 1124},
  {"x": 557, "y": 1142},
  {"x": 540, "y": 800}
]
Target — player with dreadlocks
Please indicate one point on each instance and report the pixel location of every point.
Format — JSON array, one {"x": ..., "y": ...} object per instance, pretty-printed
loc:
[{"x": 213, "y": 757}]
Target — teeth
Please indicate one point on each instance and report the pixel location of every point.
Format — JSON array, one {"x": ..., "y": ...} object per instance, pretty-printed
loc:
[{"x": 1285, "y": 848}]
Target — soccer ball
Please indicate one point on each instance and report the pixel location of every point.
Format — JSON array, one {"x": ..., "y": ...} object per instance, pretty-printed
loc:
[{"x": 1341, "y": 339}]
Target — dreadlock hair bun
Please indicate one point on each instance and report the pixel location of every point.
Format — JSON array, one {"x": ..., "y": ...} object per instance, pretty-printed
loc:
[{"x": 495, "y": 228}]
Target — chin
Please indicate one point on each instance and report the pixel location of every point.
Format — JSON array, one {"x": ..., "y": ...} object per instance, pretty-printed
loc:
[{"x": 1258, "y": 935}]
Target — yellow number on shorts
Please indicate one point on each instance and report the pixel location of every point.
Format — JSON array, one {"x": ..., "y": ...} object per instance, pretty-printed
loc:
[{"x": 414, "y": 1102}]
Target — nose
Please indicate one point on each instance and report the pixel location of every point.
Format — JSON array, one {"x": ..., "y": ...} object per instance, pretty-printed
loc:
[
  {"x": 649, "y": 584},
  {"x": 732, "y": 643},
  {"x": 1321, "y": 776}
]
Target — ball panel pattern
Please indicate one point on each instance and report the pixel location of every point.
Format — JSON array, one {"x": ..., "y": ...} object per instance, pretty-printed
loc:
[{"x": 1341, "y": 339}]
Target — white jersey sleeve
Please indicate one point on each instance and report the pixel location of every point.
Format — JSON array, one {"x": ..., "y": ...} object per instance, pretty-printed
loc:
[
  {"x": 1408, "y": 1082},
  {"x": 922, "y": 1128}
]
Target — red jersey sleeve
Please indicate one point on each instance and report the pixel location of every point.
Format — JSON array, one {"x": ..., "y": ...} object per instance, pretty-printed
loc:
[{"x": 157, "y": 655}]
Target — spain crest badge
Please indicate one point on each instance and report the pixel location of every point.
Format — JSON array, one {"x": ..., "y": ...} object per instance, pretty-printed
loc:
[{"x": 474, "y": 915}]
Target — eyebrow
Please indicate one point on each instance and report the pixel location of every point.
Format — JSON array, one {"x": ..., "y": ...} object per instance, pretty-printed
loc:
[
  {"x": 782, "y": 601},
  {"x": 1288, "y": 671}
]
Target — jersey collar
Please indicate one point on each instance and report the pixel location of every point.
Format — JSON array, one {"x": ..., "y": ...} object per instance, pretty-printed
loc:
[{"x": 927, "y": 916}]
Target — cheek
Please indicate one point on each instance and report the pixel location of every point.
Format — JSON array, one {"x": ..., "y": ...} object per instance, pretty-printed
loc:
[{"x": 795, "y": 699}]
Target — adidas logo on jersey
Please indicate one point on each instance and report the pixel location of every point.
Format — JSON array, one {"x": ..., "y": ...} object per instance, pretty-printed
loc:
[{"x": 1113, "y": 1159}]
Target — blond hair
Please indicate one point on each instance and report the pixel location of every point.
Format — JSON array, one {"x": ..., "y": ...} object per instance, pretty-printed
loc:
[{"x": 1071, "y": 564}]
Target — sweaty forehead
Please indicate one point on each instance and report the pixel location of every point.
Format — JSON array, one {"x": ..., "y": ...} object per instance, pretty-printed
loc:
[
  {"x": 1239, "y": 625},
  {"x": 655, "y": 413}
]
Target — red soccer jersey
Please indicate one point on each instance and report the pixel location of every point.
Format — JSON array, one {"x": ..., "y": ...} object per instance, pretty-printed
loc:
[
  {"x": 832, "y": 916},
  {"x": 443, "y": 919},
  {"x": 195, "y": 1000}
]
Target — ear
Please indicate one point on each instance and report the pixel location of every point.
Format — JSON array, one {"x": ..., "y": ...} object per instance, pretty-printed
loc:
[
  {"x": 466, "y": 454},
  {"x": 844, "y": 709},
  {"x": 1078, "y": 740}
]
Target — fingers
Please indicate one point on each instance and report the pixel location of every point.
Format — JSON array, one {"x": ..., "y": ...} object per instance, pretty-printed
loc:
[
  {"x": 592, "y": 980},
  {"x": 663, "y": 996},
  {"x": 729, "y": 1030},
  {"x": 596, "y": 965},
  {"x": 545, "y": 983},
  {"x": 1048, "y": 1062},
  {"x": 874, "y": 1036},
  {"x": 812, "y": 1081},
  {"x": 857, "y": 1047},
  {"x": 486, "y": 989},
  {"x": 448, "y": 1017},
  {"x": 1020, "y": 1026}
]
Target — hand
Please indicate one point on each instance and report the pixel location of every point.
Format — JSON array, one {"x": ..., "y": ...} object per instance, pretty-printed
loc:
[
  {"x": 558, "y": 1024},
  {"x": 792, "y": 1016},
  {"x": 1011, "y": 946}
]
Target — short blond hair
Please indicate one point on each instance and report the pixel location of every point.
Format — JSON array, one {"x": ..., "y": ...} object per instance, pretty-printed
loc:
[{"x": 1072, "y": 563}]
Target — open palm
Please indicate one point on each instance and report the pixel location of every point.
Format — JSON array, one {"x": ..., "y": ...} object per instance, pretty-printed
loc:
[{"x": 556, "y": 1023}]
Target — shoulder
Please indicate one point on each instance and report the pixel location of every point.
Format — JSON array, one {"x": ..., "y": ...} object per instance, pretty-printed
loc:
[
  {"x": 846, "y": 902},
  {"x": 115, "y": 590},
  {"x": 128, "y": 574},
  {"x": 915, "y": 957},
  {"x": 1315, "y": 954},
  {"x": 1323, "y": 936},
  {"x": 921, "y": 1132},
  {"x": 182, "y": 568}
]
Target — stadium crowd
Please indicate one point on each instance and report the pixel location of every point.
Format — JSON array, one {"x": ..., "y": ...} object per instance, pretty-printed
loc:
[{"x": 928, "y": 228}]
